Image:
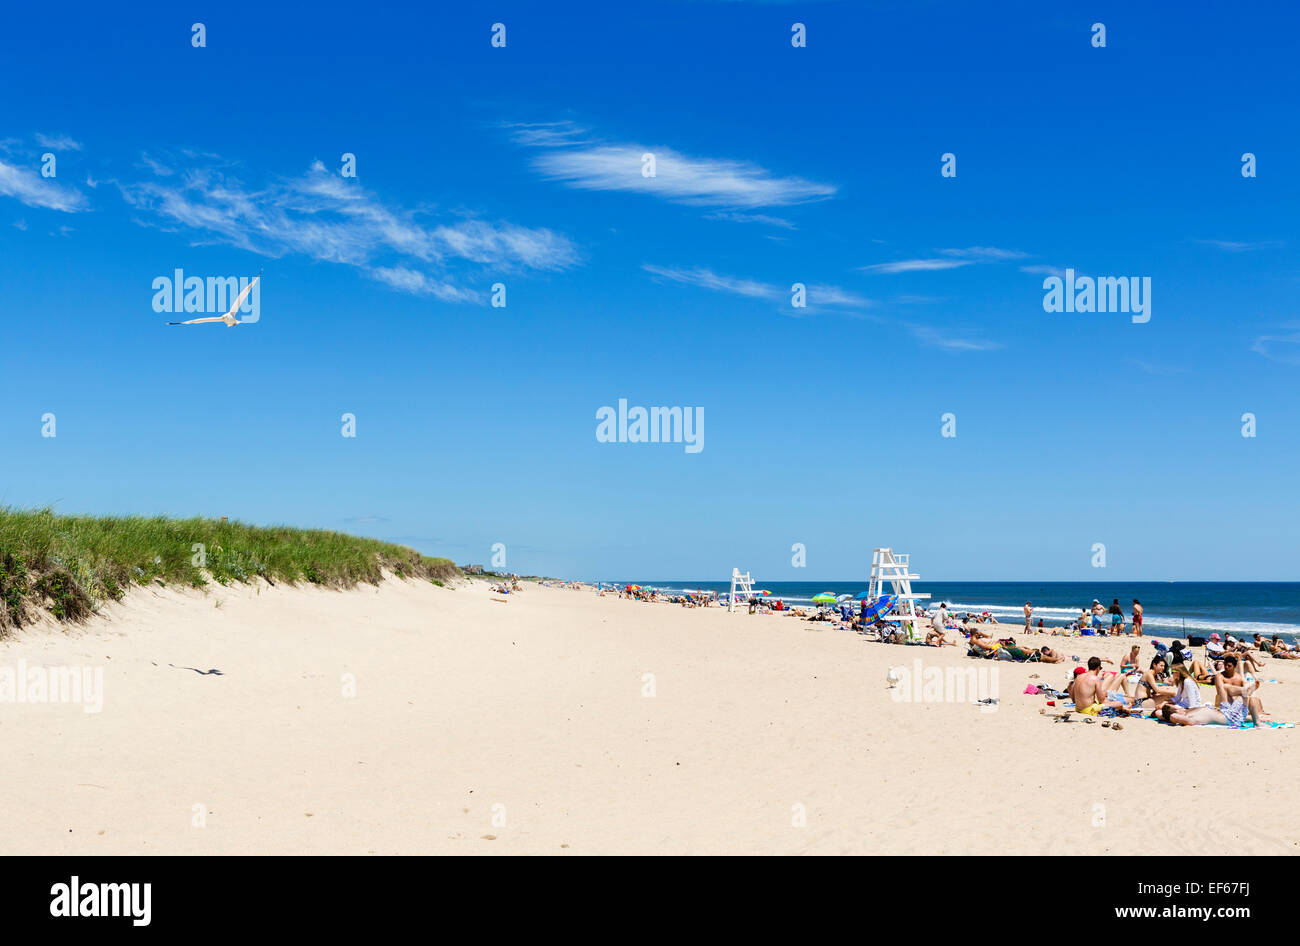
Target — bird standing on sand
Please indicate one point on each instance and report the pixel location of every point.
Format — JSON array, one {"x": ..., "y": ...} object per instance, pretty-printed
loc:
[
  {"x": 229, "y": 317},
  {"x": 893, "y": 677}
]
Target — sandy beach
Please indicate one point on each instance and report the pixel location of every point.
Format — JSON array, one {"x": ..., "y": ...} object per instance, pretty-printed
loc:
[{"x": 412, "y": 719}]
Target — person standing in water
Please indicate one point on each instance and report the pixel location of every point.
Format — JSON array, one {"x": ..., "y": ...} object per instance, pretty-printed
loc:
[{"x": 1116, "y": 618}]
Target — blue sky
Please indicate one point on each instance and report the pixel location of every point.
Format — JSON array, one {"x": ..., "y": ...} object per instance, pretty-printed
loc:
[{"x": 776, "y": 165}]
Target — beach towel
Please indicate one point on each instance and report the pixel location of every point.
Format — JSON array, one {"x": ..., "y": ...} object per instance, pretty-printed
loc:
[
  {"x": 1266, "y": 724},
  {"x": 1247, "y": 725}
]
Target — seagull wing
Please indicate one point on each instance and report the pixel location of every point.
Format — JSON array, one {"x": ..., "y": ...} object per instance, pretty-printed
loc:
[
  {"x": 215, "y": 318},
  {"x": 239, "y": 300}
]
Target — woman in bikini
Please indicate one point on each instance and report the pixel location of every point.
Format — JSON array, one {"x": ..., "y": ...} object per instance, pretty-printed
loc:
[
  {"x": 1153, "y": 683},
  {"x": 1278, "y": 648}
]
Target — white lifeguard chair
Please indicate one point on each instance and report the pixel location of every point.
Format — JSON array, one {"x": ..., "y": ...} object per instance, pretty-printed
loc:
[
  {"x": 740, "y": 584},
  {"x": 886, "y": 566}
]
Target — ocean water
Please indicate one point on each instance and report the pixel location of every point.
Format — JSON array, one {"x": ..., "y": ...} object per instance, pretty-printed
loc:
[{"x": 1170, "y": 609}]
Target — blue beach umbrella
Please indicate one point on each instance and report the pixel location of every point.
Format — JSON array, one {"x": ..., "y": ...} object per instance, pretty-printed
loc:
[{"x": 880, "y": 606}]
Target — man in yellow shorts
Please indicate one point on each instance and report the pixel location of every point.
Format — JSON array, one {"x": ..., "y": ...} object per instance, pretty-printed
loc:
[{"x": 1088, "y": 692}]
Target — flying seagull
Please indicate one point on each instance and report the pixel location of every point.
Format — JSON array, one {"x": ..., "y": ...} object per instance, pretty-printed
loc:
[{"x": 229, "y": 317}]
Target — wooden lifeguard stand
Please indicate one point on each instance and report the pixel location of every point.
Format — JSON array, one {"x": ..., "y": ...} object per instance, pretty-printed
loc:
[
  {"x": 741, "y": 584},
  {"x": 886, "y": 566}
]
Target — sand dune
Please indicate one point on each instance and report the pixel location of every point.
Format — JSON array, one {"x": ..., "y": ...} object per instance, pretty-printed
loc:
[{"x": 480, "y": 727}]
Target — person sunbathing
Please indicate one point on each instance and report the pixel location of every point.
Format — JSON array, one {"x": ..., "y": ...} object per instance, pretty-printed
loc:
[
  {"x": 1237, "y": 702},
  {"x": 1019, "y": 653},
  {"x": 936, "y": 638},
  {"x": 1197, "y": 716},
  {"x": 1235, "y": 679},
  {"x": 1112, "y": 682},
  {"x": 1248, "y": 660},
  {"x": 1200, "y": 672},
  {"x": 1232, "y": 705},
  {"x": 1109, "y": 679},
  {"x": 1187, "y": 692},
  {"x": 1232, "y": 671},
  {"x": 1089, "y": 694},
  {"x": 1049, "y": 656},
  {"x": 1130, "y": 663},
  {"x": 1279, "y": 649},
  {"x": 1153, "y": 683}
]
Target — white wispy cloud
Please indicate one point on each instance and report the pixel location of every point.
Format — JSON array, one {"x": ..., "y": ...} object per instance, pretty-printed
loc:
[
  {"x": 937, "y": 338},
  {"x": 915, "y": 265},
  {"x": 573, "y": 160},
  {"x": 322, "y": 216},
  {"x": 420, "y": 284},
  {"x": 1043, "y": 270},
  {"x": 817, "y": 295},
  {"x": 546, "y": 134},
  {"x": 828, "y": 296},
  {"x": 1280, "y": 348},
  {"x": 33, "y": 190},
  {"x": 151, "y": 164},
  {"x": 985, "y": 254},
  {"x": 766, "y": 219},
  {"x": 1233, "y": 246},
  {"x": 947, "y": 259},
  {"x": 58, "y": 142},
  {"x": 707, "y": 279}
]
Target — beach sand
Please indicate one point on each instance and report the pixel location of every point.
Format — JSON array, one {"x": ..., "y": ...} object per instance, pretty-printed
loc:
[{"x": 525, "y": 727}]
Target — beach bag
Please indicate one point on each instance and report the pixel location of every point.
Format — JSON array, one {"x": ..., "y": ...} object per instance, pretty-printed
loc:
[{"x": 1196, "y": 641}]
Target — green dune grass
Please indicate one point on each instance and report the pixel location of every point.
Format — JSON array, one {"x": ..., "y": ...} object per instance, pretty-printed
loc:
[{"x": 68, "y": 566}]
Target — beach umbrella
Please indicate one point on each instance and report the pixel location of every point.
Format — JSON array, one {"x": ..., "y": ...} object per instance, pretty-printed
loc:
[
  {"x": 878, "y": 607},
  {"x": 844, "y": 598},
  {"x": 826, "y": 597}
]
